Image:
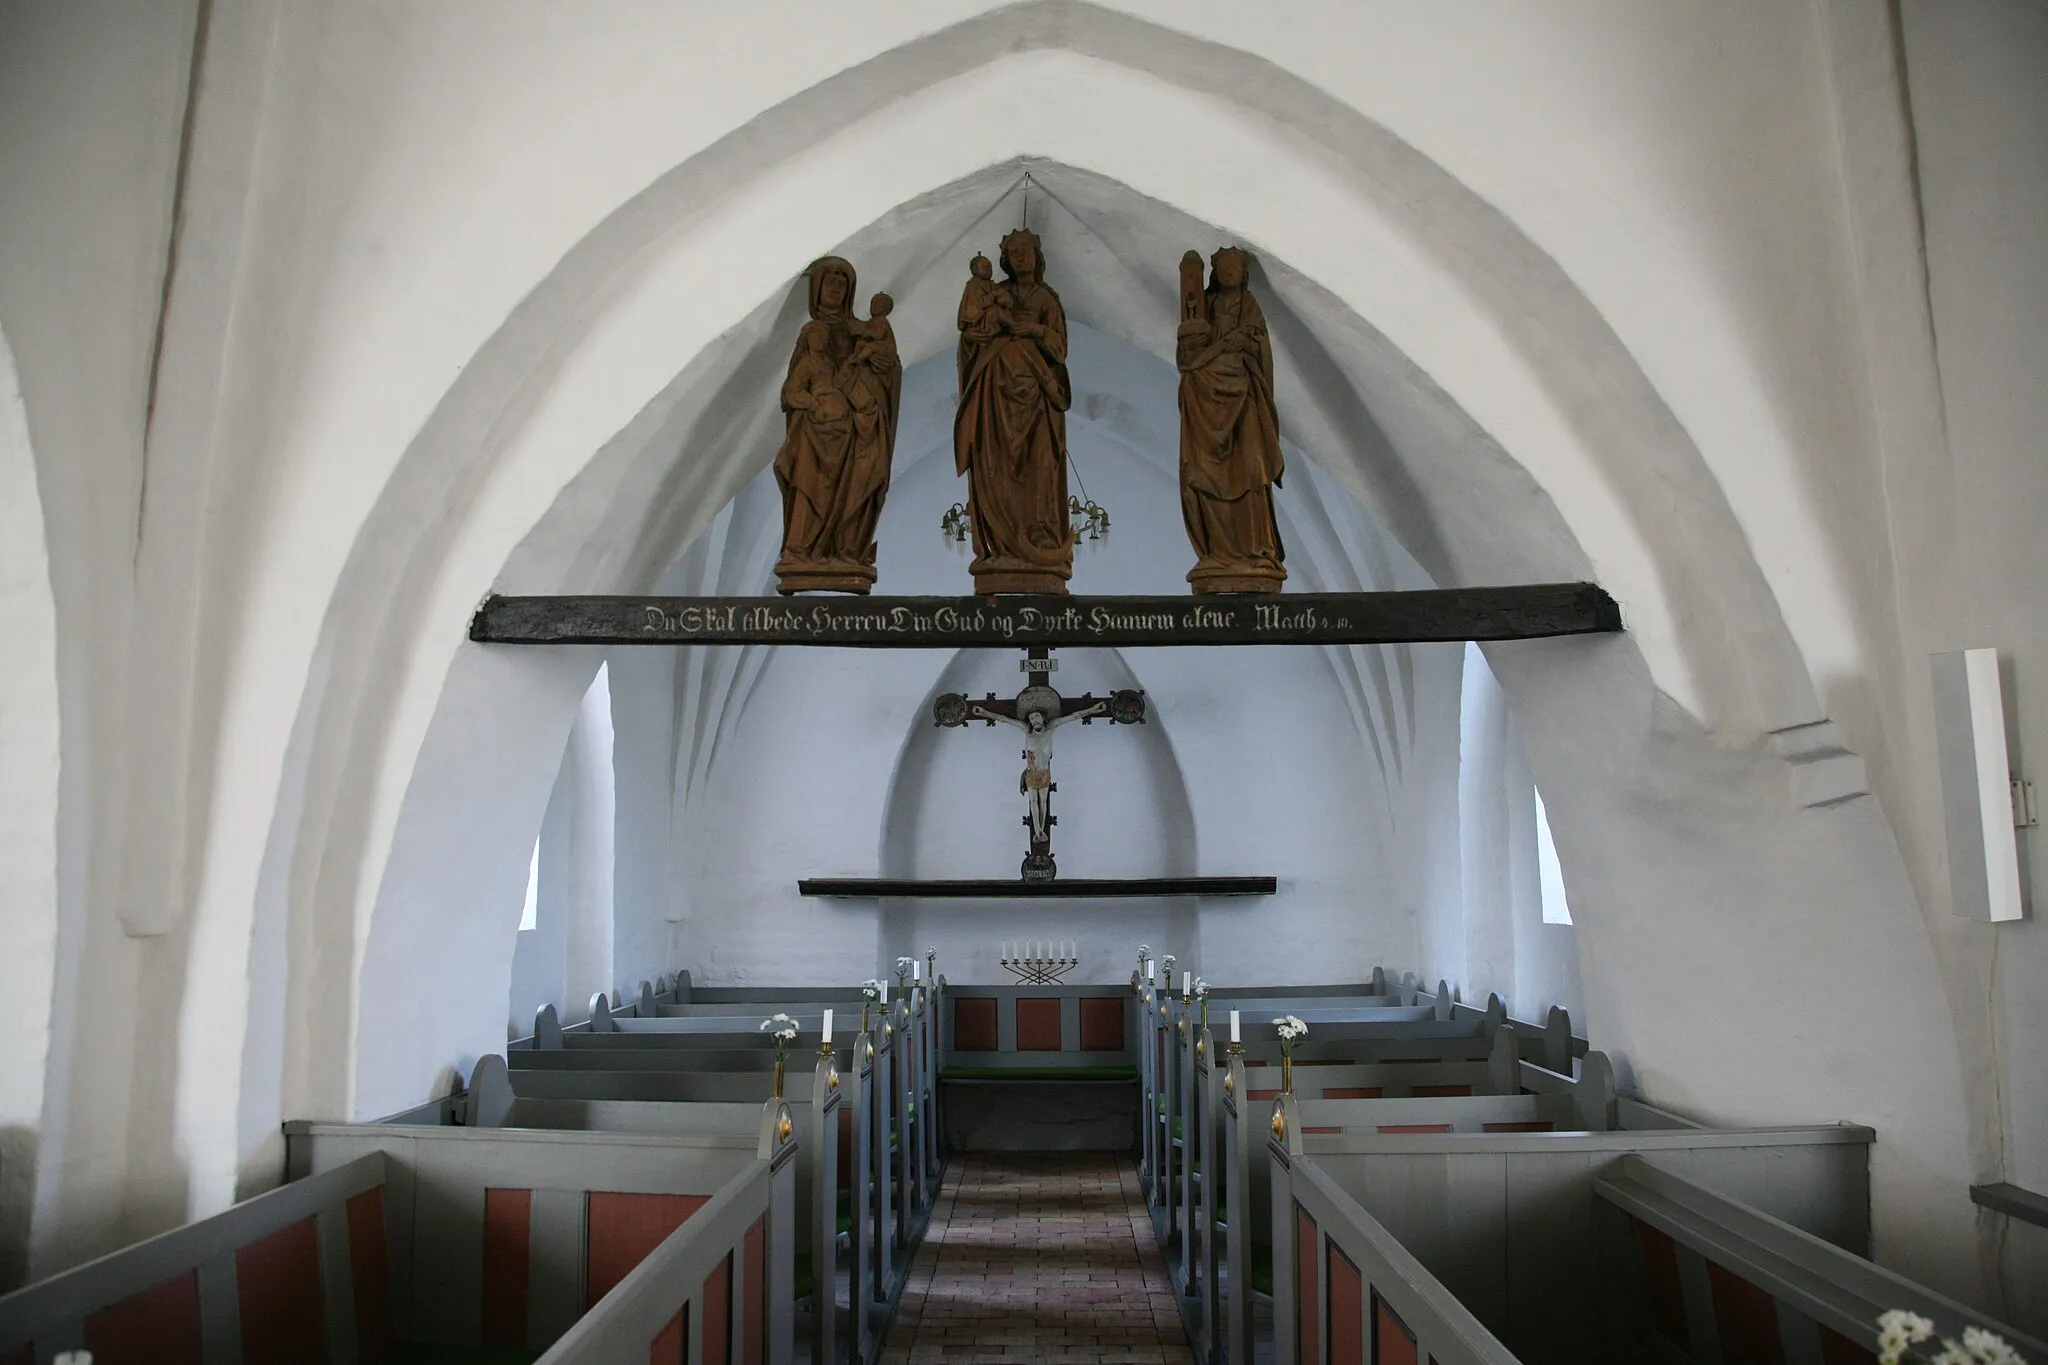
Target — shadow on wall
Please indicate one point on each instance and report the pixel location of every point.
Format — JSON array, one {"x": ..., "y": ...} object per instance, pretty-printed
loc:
[{"x": 18, "y": 1147}]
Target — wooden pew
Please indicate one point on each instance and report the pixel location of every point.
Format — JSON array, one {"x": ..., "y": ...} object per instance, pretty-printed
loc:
[
  {"x": 1012, "y": 1053},
  {"x": 1687, "y": 1271},
  {"x": 683, "y": 1102},
  {"x": 664, "y": 1065},
  {"x": 1363, "y": 1048},
  {"x": 1505, "y": 1220},
  {"x": 503, "y": 1236},
  {"x": 909, "y": 1032},
  {"x": 1359, "y": 1292},
  {"x": 402, "y": 1238}
]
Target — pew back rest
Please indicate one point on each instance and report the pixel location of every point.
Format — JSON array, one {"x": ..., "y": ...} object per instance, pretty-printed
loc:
[
  {"x": 601, "y": 1115},
  {"x": 1039, "y": 1026},
  {"x": 297, "y": 1273},
  {"x": 1342, "y": 1280},
  {"x": 1441, "y": 1114},
  {"x": 1457, "y": 1200},
  {"x": 641, "y": 1052},
  {"x": 702, "y": 1288},
  {"x": 514, "y": 1232},
  {"x": 671, "y": 1086},
  {"x": 1751, "y": 1271},
  {"x": 1339, "y": 1081}
]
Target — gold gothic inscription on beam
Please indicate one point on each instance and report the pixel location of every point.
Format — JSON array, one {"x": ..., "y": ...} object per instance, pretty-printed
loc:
[{"x": 1507, "y": 613}]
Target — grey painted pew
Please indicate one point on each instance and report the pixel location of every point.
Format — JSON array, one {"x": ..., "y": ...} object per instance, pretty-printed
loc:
[
  {"x": 1691, "y": 1273},
  {"x": 829, "y": 1107},
  {"x": 699, "y": 1067},
  {"x": 909, "y": 1032},
  {"x": 1506, "y": 1221},
  {"x": 681, "y": 1301},
  {"x": 1359, "y": 1294},
  {"x": 1183, "y": 1134},
  {"x": 296, "y": 1273},
  {"x": 504, "y": 1237},
  {"x": 1037, "y": 1068},
  {"x": 403, "y": 1238}
]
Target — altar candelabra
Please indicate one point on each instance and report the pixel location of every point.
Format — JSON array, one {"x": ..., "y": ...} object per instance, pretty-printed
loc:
[{"x": 1037, "y": 963}]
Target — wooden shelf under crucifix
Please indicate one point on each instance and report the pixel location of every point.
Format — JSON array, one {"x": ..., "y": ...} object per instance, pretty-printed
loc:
[{"x": 1037, "y": 712}]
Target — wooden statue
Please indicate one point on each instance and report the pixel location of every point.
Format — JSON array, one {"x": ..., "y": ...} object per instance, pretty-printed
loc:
[
  {"x": 839, "y": 403},
  {"x": 1010, "y": 434},
  {"x": 1230, "y": 460}
]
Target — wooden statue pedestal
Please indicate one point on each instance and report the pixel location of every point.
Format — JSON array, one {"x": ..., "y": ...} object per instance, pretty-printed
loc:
[
  {"x": 852, "y": 578},
  {"x": 1034, "y": 582},
  {"x": 1218, "y": 580}
]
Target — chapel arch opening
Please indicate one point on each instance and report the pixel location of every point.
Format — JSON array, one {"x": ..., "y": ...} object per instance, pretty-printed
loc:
[{"x": 1614, "y": 725}]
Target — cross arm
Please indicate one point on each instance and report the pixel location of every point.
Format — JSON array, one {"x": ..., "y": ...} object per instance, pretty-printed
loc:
[
  {"x": 953, "y": 708},
  {"x": 1125, "y": 706}
]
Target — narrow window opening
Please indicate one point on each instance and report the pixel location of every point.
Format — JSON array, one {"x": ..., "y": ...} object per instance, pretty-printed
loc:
[
  {"x": 529, "y": 918},
  {"x": 1551, "y": 877}
]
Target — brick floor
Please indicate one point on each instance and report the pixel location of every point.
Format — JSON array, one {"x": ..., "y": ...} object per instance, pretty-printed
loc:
[{"x": 1038, "y": 1257}]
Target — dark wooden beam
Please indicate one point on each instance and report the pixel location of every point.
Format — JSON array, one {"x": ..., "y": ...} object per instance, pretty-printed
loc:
[
  {"x": 1521, "y": 612},
  {"x": 972, "y": 888}
]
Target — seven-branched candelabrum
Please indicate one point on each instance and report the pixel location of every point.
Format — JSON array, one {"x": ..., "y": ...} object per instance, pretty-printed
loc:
[
  {"x": 1898, "y": 1331},
  {"x": 781, "y": 1031}
]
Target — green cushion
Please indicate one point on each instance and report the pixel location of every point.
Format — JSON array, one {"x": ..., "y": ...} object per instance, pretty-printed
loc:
[
  {"x": 845, "y": 1220},
  {"x": 1262, "y": 1269},
  {"x": 1039, "y": 1073},
  {"x": 804, "y": 1277}
]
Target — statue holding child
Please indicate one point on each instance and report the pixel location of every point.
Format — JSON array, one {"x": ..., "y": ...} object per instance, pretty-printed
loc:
[{"x": 840, "y": 403}]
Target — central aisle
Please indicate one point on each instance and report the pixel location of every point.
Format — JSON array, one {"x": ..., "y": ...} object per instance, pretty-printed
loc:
[{"x": 1038, "y": 1256}]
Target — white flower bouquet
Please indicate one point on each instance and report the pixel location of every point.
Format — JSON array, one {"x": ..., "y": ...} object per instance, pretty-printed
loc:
[
  {"x": 871, "y": 990},
  {"x": 903, "y": 966},
  {"x": 1201, "y": 989},
  {"x": 1898, "y": 1330},
  {"x": 781, "y": 1031},
  {"x": 1291, "y": 1031}
]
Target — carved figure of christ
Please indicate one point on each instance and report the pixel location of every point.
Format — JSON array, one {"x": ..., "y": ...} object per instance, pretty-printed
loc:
[
  {"x": 1038, "y": 711},
  {"x": 1036, "y": 780}
]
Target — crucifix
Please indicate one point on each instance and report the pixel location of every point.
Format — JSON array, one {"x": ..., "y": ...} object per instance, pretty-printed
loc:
[{"x": 1037, "y": 712}]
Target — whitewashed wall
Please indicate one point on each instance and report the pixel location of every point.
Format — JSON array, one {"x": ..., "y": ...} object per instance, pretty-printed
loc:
[
  {"x": 826, "y": 763},
  {"x": 1692, "y": 299}
]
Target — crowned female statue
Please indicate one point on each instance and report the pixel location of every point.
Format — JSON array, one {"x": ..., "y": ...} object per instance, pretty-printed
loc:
[
  {"x": 1230, "y": 460},
  {"x": 839, "y": 402},
  {"x": 1010, "y": 434}
]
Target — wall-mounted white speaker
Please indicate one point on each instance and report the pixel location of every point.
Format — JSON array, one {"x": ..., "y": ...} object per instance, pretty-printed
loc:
[{"x": 1976, "y": 785}]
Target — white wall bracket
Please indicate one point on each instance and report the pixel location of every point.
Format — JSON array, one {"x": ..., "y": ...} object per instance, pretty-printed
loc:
[{"x": 1981, "y": 803}]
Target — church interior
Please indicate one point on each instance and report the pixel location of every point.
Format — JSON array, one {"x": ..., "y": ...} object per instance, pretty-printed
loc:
[{"x": 535, "y": 539}]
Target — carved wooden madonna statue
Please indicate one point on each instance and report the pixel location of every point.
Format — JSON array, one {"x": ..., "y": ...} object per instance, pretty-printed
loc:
[
  {"x": 1010, "y": 434},
  {"x": 840, "y": 403},
  {"x": 1230, "y": 460}
]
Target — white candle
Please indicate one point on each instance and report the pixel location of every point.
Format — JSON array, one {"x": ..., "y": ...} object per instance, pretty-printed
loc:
[
  {"x": 1233, "y": 1027},
  {"x": 885, "y": 990},
  {"x": 826, "y": 1032},
  {"x": 1148, "y": 969},
  {"x": 917, "y": 971},
  {"x": 1187, "y": 983}
]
